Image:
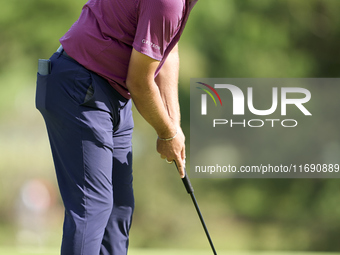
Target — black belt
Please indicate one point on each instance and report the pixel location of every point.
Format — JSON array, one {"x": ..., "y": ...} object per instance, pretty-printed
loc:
[{"x": 61, "y": 50}]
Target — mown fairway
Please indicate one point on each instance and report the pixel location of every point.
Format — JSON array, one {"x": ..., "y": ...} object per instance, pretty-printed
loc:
[{"x": 134, "y": 251}]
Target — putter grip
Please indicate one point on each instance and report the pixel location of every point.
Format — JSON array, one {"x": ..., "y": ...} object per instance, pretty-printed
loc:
[{"x": 187, "y": 184}]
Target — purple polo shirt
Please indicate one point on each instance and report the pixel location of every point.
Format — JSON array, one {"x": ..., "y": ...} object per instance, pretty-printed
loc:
[{"x": 106, "y": 31}]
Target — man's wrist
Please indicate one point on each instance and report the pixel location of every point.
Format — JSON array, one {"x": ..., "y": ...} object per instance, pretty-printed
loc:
[{"x": 168, "y": 138}]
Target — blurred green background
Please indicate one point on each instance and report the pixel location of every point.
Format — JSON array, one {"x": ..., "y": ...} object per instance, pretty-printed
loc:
[{"x": 223, "y": 38}]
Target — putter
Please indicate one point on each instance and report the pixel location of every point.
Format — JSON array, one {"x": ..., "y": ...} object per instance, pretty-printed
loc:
[{"x": 190, "y": 190}]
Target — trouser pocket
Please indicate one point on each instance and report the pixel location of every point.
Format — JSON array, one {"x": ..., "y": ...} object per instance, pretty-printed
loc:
[
  {"x": 40, "y": 96},
  {"x": 83, "y": 90}
]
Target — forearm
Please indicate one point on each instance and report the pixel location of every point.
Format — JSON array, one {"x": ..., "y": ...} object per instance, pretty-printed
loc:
[
  {"x": 146, "y": 94},
  {"x": 158, "y": 103},
  {"x": 167, "y": 81},
  {"x": 149, "y": 104}
]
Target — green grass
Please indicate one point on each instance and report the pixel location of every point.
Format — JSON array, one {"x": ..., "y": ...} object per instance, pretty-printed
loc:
[{"x": 135, "y": 251}]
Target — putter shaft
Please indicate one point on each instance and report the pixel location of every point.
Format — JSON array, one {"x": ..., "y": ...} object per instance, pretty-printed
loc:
[{"x": 190, "y": 190}]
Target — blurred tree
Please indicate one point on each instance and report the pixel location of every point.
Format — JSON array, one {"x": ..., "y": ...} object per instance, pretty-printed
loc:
[{"x": 284, "y": 38}]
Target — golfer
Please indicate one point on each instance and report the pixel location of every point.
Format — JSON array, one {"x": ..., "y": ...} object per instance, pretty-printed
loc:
[{"x": 116, "y": 51}]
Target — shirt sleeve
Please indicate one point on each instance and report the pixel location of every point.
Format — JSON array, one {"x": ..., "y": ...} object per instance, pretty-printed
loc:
[{"x": 158, "y": 23}]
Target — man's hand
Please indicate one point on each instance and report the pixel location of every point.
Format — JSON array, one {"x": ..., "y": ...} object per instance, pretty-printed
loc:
[{"x": 174, "y": 150}]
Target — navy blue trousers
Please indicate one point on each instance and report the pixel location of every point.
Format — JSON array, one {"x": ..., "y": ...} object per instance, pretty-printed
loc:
[{"x": 90, "y": 129}]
